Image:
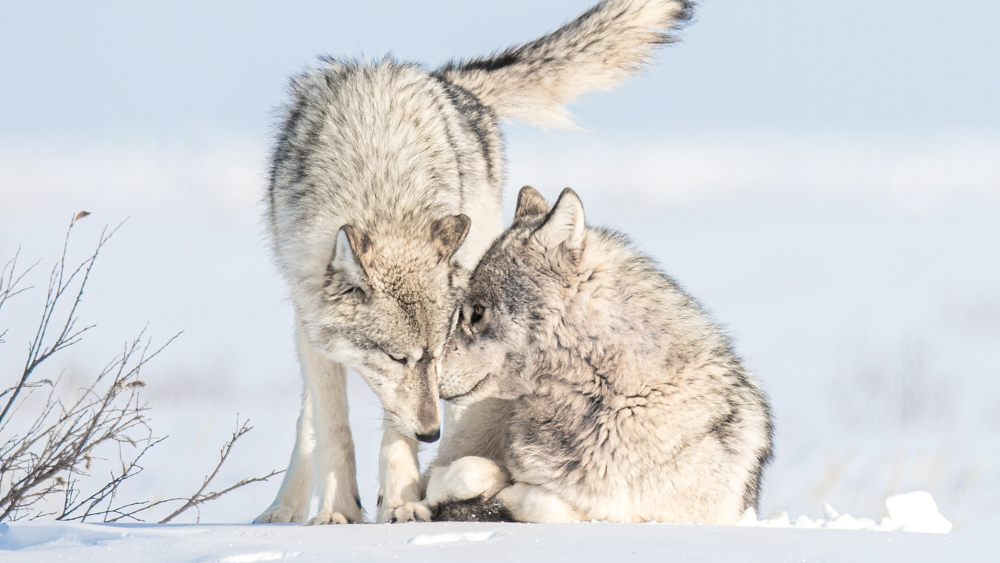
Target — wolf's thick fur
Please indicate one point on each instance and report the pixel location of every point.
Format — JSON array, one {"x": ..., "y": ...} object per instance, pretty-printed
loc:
[
  {"x": 612, "y": 395},
  {"x": 535, "y": 81},
  {"x": 385, "y": 190}
]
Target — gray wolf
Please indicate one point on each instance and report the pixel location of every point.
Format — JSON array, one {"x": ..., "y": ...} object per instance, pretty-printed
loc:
[
  {"x": 599, "y": 389},
  {"x": 385, "y": 190}
]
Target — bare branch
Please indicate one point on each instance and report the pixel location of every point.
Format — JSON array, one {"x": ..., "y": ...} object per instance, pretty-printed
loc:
[
  {"x": 200, "y": 497},
  {"x": 48, "y": 447},
  {"x": 9, "y": 284},
  {"x": 74, "y": 509},
  {"x": 59, "y": 440},
  {"x": 59, "y": 284}
]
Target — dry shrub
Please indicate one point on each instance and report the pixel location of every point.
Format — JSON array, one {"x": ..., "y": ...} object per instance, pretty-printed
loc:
[{"x": 50, "y": 445}]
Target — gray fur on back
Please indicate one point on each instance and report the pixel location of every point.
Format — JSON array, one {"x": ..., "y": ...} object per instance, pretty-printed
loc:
[
  {"x": 622, "y": 396},
  {"x": 382, "y": 144}
]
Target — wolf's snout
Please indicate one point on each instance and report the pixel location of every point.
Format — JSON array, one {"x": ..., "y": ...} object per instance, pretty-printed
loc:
[{"x": 430, "y": 437}]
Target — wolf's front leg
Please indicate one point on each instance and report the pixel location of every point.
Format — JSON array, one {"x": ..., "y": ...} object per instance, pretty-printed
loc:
[
  {"x": 334, "y": 465},
  {"x": 400, "y": 491},
  {"x": 292, "y": 502}
]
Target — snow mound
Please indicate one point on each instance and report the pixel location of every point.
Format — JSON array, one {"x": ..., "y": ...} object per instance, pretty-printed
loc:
[{"x": 911, "y": 512}]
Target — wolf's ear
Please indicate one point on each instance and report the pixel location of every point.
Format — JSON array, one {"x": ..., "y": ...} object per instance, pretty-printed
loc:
[
  {"x": 530, "y": 202},
  {"x": 564, "y": 225},
  {"x": 447, "y": 234},
  {"x": 353, "y": 256}
]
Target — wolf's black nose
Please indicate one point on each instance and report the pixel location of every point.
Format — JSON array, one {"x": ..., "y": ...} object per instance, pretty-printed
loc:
[{"x": 430, "y": 437}]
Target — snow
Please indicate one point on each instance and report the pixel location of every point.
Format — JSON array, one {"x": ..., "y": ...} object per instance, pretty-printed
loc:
[
  {"x": 445, "y": 542},
  {"x": 839, "y": 537},
  {"x": 916, "y": 512},
  {"x": 261, "y": 556},
  {"x": 911, "y": 512},
  {"x": 451, "y": 538}
]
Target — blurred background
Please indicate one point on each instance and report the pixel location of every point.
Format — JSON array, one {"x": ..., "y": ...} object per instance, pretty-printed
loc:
[{"x": 824, "y": 177}]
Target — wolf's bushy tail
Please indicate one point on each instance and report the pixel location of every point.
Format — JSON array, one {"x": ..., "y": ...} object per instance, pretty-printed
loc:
[{"x": 535, "y": 81}]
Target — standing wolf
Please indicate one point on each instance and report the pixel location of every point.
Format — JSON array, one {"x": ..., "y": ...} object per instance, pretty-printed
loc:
[
  {"x": 609, "y": 392},
  {"x": 385, "y": 191}
]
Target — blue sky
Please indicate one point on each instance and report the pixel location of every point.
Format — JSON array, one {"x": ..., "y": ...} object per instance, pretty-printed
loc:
[{"x": 107, "y": 69}]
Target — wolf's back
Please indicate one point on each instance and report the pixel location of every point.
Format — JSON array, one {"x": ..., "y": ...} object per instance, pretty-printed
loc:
[{"x": 535, "y": 81}]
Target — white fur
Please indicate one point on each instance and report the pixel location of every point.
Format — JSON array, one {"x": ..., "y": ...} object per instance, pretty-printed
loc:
[
  {"x": 594, "y": 52},
  {"x": 465, "y": 478},
  {"x": 531, "y": 503}
]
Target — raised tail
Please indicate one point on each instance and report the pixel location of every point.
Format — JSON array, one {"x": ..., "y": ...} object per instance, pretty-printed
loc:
[{"x": 596, "y": 51}]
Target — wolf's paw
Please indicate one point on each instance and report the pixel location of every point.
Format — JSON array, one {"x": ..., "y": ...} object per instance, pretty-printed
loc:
[
  {"x": 325, "y": 517},
  {"x": 407, "y": 512},
  {"x": 531, "y": 503},
  {"x": 465, "y": 478},
  {"x": 277, "y": 515}
]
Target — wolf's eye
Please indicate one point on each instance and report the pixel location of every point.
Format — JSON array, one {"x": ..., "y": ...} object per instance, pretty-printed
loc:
[
  {"x": 477, "y": 314},
  {"x": 397, "y": 360}
]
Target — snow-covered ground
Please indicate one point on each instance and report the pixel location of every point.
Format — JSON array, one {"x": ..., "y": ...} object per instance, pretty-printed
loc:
[
  {"x": 913, "y": 531},
  {"x": 447, "y": 542}
]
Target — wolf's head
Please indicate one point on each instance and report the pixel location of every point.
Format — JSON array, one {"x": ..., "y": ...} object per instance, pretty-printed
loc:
[
  {"x": 385, "y": 309},
  {"x": 513, "y": 288}
]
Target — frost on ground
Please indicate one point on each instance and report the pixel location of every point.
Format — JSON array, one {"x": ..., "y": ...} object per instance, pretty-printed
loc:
[{"x": 912, "y": 512}]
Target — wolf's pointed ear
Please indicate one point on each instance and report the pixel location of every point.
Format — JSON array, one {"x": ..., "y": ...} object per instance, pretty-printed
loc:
[
  {"x": 447, "y": 234},
  {"x": 530, "y": 202},
  {"x": 565, "y": 223},
  {"x": 353, "y": 256}
]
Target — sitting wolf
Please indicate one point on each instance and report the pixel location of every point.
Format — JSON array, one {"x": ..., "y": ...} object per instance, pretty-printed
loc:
[
  {"x": 385, "y": 191},
  {"x": 609, "y": 393}
]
